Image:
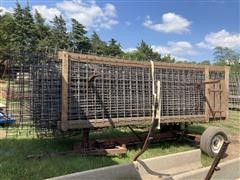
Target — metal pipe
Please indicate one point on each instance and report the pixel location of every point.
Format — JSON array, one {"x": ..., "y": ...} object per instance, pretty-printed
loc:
[{"x": 217, "y": 159}]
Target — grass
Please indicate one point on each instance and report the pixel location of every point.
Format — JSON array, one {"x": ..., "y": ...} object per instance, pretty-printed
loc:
[
  {"x": 231, "y": 126},
  {"x": 15, "y": 165}
]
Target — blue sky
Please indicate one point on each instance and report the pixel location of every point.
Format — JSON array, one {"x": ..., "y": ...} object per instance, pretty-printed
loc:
[{"x": 189, "y": 30}]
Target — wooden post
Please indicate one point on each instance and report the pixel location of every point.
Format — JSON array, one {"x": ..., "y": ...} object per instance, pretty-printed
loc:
[
  {"x": 206, "y": 94},
  {"x": 64, "y": 117},
  {"x": 227, "y": 69}
]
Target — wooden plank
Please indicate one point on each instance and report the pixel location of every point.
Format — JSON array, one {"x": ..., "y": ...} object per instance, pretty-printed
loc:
[
  {"x": 117, "y": 122},
  {"x": 122, "y": 62},
  {"x": 227, "y": 69},
  {"x": 64, "y": 115},
  {"x": 207, "y": 94},
  {"x": 218, "y": 100},
  {"x": 224, "y": 99}
]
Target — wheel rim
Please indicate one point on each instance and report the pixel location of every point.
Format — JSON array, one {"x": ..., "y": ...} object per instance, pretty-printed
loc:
[{"x": 217, "y": 143}]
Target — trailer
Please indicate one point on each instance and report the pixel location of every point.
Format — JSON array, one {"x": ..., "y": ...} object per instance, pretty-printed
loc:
[{"x": 73, "y": 91}]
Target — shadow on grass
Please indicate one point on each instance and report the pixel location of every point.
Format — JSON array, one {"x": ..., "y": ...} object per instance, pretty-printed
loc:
[
  {"x": 196, "y": 128},
  {"x": 15, "y": 165}
]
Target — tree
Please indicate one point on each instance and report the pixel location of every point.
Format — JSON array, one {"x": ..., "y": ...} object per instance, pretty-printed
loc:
[
  {"x": 205, "y": 62},
  {"x": 226, "y": 56},
  {"x": 59, "y": 36},
  {"x": 42, "y": 31},
  {"x": 23, "y": 36},
  {"x": 144, "y": 52},
  {"x": 78, "y": 39},
  {"x": 7, "y": 28},
  {"x": 114, "y": 48},
  {"x": 168, "y": 58},
  {"x": 97, "y": 45}
]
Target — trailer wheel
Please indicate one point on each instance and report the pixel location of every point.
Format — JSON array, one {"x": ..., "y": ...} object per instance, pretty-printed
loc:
[{"x": 212, "y": 140}]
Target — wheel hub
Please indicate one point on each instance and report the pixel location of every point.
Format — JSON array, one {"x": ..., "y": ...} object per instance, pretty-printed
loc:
[{"x": 217, "y": 143}]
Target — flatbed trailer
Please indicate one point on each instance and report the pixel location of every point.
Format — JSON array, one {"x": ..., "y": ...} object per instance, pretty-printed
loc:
[{"x": 73, "y": 91}]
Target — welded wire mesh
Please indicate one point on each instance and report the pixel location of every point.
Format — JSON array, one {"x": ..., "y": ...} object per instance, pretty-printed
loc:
[
  {"x": 99, "y": 91},
  {"x": 234, "y": 91},
  {"x": 30, "y": 94},
  {"x": 46, "y": 95},
  {"x": 217, "y": 75},
  {"x": 180, "y": 93}
]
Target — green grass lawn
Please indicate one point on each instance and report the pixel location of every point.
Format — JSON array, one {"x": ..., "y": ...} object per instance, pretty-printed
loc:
[
  {"x": 232, "y": 126},
  {"x": 15, "y": 165}
]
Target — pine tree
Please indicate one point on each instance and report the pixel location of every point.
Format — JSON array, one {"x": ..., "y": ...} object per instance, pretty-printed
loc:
[
  {"x": 114, "y": 48},
  {"x": 78, "y": 39},
  {"x": 17, "y": 37},
  {"x": 42, "y": 31},
  {"x": 24, "y": 38},
  {"x": 7, "y": 27},
  {"x": 97, "y": 45},
  {"x": 145, "y": 52},
  {"x": 59, "y": 36}
]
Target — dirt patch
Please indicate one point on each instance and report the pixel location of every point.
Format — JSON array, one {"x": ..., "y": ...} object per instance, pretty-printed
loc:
[
  {"x": 233, "y": 150},
  {"x": 2, "y": 133}
]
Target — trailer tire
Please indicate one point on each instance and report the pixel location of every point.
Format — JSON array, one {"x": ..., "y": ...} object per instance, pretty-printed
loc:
[{"x": 211, "y": 140}]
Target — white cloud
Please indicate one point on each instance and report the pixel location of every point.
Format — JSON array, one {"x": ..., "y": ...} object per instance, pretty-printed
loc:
[
  {"x": 129, "y": 49},
  {"x": 47, "y": 13},
  {"x": 171, "y": 23},
  {"x": 220, "y": 38},
  {"x": 89, "y": 13},
  {"x": 4, "y": 10},
  {"x": 175, "y": 48},
  {"x": 181, "y": 59}
]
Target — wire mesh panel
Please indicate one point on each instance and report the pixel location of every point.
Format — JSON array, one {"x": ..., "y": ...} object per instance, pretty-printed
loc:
[
  {"x": 18, "y": 100},
  {"x": 103, "y": 90},
  {"x": 32, "y": 94},
  {"x": 98, "y": 91},
  {"x": 46, "y": 95},
  {"x": 234, "y": 91},
  {"x": 180, "y": 93},
  {"x": 216, "y": 75}
]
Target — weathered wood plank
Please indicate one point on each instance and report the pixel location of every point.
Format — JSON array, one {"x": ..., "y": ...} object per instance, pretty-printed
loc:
[
  {"x": 64, "y": 115},
  {"x": 207, "y": 95}
]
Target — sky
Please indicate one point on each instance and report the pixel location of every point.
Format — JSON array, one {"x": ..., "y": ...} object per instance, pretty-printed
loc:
[{"x": 187, "y": 29}]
